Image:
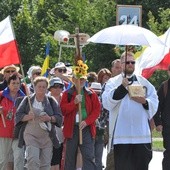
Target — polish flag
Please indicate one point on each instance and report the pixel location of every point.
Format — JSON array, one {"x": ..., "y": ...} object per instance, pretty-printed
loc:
[
  {"x": 156, "y": 57},
  {"x": 8, "y": 45}
]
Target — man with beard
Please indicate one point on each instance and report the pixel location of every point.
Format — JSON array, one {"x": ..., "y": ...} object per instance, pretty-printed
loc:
[{"x": 129, "y": 116}]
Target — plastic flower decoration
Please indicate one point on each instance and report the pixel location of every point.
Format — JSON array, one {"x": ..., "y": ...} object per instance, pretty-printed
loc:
[{"x": 80, "y": 69}]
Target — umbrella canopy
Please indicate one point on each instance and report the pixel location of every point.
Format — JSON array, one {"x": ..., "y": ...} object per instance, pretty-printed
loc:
[{"x": 125, "y": 35}]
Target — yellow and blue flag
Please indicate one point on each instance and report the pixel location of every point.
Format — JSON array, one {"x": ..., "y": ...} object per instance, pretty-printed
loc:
[{"x": 45, "y": 67}]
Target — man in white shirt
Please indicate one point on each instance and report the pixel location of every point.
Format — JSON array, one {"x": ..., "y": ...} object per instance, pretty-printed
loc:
[{"x": 129, "y": 117}]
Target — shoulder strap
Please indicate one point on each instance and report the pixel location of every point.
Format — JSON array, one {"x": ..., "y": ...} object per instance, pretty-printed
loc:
[
  {"x": 165, "y": 87},
  {"x": 50, "y": 100},
  {"x": 70, "y": 94},
  {"x": 1, "y": 96}
]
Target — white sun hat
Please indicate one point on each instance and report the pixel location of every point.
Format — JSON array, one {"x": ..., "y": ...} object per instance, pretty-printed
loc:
[{"x": 96, "y": 86}]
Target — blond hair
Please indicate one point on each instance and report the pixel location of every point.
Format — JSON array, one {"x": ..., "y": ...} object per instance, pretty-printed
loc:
[
  {"x": 40, "y": 79},
  {"x": 124, "y": 55}
]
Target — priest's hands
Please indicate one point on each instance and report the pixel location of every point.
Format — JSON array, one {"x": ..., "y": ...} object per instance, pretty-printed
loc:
[
  {"x": 125, "y": 82},
  {"x": 141, "y": 100}
]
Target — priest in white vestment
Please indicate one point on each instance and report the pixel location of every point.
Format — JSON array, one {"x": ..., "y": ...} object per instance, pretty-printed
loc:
[{"x": 129, "y": 116}]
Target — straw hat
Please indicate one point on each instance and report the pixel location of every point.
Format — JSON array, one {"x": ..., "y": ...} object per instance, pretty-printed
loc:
[{"x": 10, "y": 66}]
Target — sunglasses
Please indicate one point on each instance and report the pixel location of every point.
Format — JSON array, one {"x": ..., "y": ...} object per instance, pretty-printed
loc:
[
  {"x": 10, "y": 71},
  {"x": 37, "y": 73},
  {"x": 57, "y": 86},
  {"x": 130, "y": 62},
  {"x": 60, "y": 70}
]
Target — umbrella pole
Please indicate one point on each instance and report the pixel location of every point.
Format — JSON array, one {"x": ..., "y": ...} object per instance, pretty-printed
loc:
[{"x": 126, "y": 50}]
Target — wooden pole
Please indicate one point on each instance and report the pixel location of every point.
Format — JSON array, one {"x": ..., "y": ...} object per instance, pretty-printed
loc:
[
  {"x": 2, "y": 116},
  {"x": 27, "y": 93},
  {"x": 80, "y": 113},
  {"x": 126, "y": 50},
  {"x": 78, "y": 57},
  {"x": 3, "y": 120}
]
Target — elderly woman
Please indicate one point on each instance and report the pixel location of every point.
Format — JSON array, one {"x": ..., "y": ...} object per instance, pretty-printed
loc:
[
  {"x": 9, "y": 150},
  {"x": 39, "y": 122},
  {"x": 56, "y": 86}
]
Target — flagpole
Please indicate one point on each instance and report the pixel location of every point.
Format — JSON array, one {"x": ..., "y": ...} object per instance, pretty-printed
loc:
[
  {"x": 27, "y": 93},
  {"x": 2, "y": 116},
  {"x": 21, "y": 66}
]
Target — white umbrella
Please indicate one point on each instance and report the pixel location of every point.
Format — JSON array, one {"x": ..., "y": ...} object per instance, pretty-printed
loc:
[{"x": 125, "y": 35}]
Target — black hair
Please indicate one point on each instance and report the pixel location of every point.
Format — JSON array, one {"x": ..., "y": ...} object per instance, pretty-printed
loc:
[{"x": 14, "y": 76}]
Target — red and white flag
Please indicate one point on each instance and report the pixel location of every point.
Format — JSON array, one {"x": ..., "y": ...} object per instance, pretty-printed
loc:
[
  {"x": 156, "y": 57},
  {"x": 8, "y": 45}
]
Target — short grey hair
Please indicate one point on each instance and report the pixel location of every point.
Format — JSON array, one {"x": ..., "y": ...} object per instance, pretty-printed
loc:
[
  {"x": 115, "y": 61},
  {"x": 124, "y": 54}
]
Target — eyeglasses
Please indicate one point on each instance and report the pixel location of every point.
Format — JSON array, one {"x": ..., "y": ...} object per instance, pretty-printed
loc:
[
  {"x": 130, "y": 62},
  {"x": 57, "y": 86},
  {"x": 37, "y": 73},
  {"x": 60, "y": 70},
  {"x": 10, "y": 71}
]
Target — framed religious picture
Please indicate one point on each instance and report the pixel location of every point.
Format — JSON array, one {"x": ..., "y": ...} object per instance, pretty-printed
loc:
[{"x": 129, "y": 14}]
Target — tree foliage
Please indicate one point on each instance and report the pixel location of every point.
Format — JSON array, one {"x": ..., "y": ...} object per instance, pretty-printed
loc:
[{"x": 35, "y": 22}]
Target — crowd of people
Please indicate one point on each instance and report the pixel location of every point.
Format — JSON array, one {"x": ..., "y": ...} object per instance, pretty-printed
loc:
[{"x": 39, "y": 118}]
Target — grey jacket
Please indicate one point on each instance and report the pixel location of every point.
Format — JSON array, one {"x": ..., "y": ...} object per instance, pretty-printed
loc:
[{"x": 51, "y": 107}]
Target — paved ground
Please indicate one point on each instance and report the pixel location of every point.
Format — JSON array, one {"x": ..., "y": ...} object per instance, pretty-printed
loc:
[{"x": 155, "y": 164}]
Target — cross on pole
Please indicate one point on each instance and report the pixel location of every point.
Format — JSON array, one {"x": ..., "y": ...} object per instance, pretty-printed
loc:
[{"x": 78, "y": 56}]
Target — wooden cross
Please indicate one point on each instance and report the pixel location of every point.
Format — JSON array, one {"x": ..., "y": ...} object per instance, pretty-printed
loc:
[{"x": 78, "y": 56}]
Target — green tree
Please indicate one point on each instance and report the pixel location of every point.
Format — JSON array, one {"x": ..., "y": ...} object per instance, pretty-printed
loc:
[{"x": 35, "y": 22}]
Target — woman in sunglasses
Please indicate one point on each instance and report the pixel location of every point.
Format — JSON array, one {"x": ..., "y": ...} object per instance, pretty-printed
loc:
[
  {"x": 60, "y": 70},
  {"x": 55, "y": 88},
  {"x": 33, "y": 72},
  {"x": 7, "y": 71}
]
